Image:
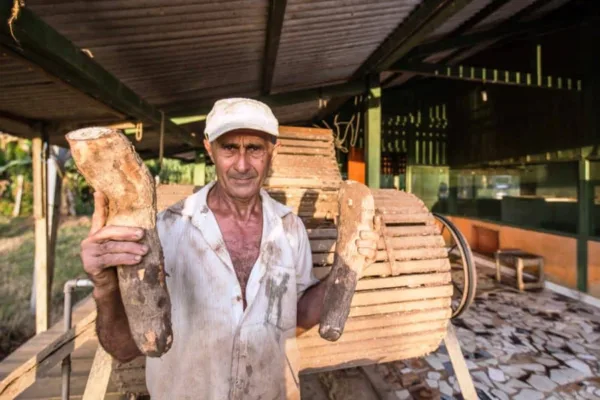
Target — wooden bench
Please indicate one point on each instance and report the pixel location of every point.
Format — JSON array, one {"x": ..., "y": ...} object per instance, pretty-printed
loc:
[{"x": 521, "y": 260}]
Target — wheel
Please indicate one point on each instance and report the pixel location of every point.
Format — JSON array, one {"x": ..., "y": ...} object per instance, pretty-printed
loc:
[{"x": 464, "y": 274}]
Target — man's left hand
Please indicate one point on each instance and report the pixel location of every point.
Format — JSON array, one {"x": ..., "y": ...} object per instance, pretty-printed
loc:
[{"x": 367, "y": 245}]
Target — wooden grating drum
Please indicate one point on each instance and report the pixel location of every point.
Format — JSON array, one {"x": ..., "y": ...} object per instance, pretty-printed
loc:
[{"x": 401, "y": 307}]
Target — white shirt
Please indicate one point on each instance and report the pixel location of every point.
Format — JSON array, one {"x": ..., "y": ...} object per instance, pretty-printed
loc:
[{"x": 219, "y": 350}]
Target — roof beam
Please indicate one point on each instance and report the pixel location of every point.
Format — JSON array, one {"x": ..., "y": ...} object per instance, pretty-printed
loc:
[
  {"x": 422, "y": 22},
  {"x": 42, "y": 45},
  {"x": 491, "y": 76},
  {"x": 189, "y": 115},
  {"x": 463, "y": 28},
  {"x": 411, "y": 32},
  {"x": 504, "y": 31},
  {"x": 275, "y": 25},
  {"x": 518, "y": 16}
]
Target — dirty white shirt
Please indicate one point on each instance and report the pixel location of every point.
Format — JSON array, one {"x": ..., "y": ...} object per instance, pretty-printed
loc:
[{"x": 219, "y": 350}]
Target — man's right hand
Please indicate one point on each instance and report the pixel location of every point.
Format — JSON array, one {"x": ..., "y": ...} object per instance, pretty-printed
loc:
[{"x": 109, "y": 246}]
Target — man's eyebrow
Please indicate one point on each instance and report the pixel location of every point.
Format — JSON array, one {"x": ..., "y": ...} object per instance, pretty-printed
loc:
[{"x": 233, "y": 144}]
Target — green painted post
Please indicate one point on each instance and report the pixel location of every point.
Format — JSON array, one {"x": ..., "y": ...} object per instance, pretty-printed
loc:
[
  {"x": 585, "y": 200},
  {"x": 373, "y": 132}
]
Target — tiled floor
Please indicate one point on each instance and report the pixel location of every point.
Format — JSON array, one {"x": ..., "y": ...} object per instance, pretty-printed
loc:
[{"x": 522, "y": 346}]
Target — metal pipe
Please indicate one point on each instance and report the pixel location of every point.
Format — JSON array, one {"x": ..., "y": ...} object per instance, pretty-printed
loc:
[{"x": 70, "y": 285}]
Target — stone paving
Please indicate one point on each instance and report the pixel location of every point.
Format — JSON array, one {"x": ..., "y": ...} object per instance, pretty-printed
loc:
[{"x": 522, "y": 346}]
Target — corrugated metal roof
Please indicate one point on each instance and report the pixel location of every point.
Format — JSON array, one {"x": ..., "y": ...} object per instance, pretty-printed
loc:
[
  {"x": 32, "y": 94},
  {"x": 169, "y": 51},
  {"x": 505, "y": 12},
  {"x": 461, "y": 17},
  {"x": 324, "y": 42},
  {"x": 184, "y": 52}
]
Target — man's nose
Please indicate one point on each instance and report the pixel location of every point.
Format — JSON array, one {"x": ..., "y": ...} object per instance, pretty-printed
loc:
[{"x": 242, "y": 164}]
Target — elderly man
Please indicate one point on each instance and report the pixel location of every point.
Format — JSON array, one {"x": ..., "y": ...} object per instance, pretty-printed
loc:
[{"x": 238, "y": 269}]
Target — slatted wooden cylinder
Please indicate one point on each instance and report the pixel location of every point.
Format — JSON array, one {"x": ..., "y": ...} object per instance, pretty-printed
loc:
[{"x": 401, "y": 307}]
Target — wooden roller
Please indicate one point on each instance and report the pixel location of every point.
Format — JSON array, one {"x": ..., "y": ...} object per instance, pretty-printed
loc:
[
  {"x": 110, "y": 164},
  {"x": 356, "y": 213}
]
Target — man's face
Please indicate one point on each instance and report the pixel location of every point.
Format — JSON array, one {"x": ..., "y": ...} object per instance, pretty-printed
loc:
[{"x": 242, "y": 159}]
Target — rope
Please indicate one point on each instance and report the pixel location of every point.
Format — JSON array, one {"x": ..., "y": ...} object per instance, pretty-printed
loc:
[
  {"x": 14, "y": 15},
  {"x": 161, "y": 148},
  {"x": 139, "y": 131}
]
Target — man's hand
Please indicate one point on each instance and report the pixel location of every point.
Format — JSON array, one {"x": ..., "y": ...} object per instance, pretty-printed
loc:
[
  {"x": 367, "y": 245},
  {"x": 109, "y": 246}
]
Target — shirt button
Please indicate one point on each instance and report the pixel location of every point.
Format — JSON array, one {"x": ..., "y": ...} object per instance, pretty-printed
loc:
[{"x": 239, "y": 298}]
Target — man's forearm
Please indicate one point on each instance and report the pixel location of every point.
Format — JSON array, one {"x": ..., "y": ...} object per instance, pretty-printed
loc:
[
  {"x": 310, "y": 307},
  {"x": 112, "y": 326}
]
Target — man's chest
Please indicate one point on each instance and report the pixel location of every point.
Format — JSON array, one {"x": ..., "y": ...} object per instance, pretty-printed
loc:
[{"x": 243, "y": 245}]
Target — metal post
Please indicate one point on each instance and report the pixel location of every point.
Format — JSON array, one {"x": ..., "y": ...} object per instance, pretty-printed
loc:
[
  {"x": 68, "y": 312},
  {"x": 584, "y": 200},
  {"x": 373, "y": 132}
]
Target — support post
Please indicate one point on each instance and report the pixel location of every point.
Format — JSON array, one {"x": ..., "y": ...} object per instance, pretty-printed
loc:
[
  {"x": 99, "y": 378},
  {"x": 373, "y": 132},
  {"x": 452, "y": 193},
  {"x": 584, "y": 200},
  {"x": 42, "y": 295}
]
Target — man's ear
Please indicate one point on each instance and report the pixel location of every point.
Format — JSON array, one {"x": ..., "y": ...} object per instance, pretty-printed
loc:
[
  {"x": 275, "y": 148},
  {"x": 208, "y": 148}
]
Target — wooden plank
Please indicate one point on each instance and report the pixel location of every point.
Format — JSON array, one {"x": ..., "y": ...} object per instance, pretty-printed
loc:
[
  {"x": 406, "y": 267},
  {"x": 290, "y": 159},
  {"x": 404, "y": 281},
  {"x": 306, "y": 143},
  {"x": 306, "y": 341},
  {"x": 97, "y": 383},
  {"x": 41, "y": 272},
  {"x": 304, "y": 132},
  {"x": 397, "y": 295},
  {"x": 412, "y": 230},
  {"x": 400, "y": 307},
  {"x": 26, "y": 374},
  {"x": 322, "y": 233},
  {"x": 306, "y": 150},
  {"x": 414, "y": 254},
  {"x": 425, "y": 218},
  {"x": 302, "y": 182},
  {"x": 459, "y": 365},
  {"x": 305, "y": 173},
  {"x": 37, "y": 343},
  {"x": 376, "y": 321},
  {"x": 410, "y": 242},
  {"x": 337, "y": 348},
  {"x": 358, "y": 358}
]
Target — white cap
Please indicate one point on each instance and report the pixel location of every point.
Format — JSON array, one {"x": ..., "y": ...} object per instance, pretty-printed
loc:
[{"x": 239, "y": 113}]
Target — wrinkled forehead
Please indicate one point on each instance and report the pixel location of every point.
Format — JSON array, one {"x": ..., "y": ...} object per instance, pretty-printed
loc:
[{"x": 245, "y": 137}]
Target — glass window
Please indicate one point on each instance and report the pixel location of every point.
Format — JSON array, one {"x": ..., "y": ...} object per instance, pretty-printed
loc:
[{"x": 540, "y": 196}]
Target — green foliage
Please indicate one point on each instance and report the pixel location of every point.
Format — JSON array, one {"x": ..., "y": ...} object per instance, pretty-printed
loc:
[
  {"x": 17, "y": 246},
  {"x": 15, "y": 160},
  {"x": 173, "y": 171}
]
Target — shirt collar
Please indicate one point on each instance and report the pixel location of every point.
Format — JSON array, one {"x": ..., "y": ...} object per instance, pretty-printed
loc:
[{"x": 196, "y": 208}]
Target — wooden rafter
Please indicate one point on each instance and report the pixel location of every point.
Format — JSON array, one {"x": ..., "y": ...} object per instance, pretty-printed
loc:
[
  {"x": 411, "y": 32},
  {"x": 275, "y": 25},
  {"x": 40, "y": 44}
]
